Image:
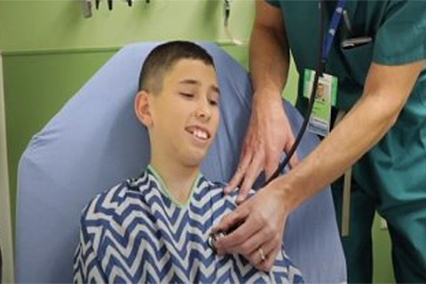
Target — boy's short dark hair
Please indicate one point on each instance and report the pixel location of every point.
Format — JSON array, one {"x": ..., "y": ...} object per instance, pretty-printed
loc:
[{"x": 163, "y": 57}]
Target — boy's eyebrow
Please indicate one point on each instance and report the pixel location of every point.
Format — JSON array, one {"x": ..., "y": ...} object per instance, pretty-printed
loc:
[
  {"x": 216, "y": 89},
  {"x": 195, "y": 82},
  {"x": 189, "y": 81}
]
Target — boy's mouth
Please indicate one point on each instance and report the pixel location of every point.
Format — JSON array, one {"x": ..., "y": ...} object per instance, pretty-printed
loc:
[{"x": 199, "y": 132}]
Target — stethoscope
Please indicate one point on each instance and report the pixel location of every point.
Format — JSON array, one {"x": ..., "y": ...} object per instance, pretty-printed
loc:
[{"x": 323, "y": 53}]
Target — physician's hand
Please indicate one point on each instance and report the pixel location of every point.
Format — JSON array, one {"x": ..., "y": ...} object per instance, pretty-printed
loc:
[
  {"x": 269, "y": 133},
  {"x": 261, "y": 221}
]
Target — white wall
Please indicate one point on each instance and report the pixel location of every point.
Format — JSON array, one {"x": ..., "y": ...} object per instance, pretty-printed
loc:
[{"x": 5, "y": 223}]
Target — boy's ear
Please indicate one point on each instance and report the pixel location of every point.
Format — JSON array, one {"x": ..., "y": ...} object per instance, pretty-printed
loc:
[{"x": 142, "y": 108}]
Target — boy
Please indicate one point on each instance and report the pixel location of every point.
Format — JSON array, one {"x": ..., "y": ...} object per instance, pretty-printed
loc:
[{"x": 155, "y": 228}]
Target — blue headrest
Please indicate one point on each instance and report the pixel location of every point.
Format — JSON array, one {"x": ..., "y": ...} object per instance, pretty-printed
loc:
[{"x": 96, "y": 141}]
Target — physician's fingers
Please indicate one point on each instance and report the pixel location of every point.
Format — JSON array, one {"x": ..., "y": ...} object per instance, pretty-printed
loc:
[
  {"x": 271, "y": 165},
  {"x": 287, "y": 148},
  {"x": 243, "y": 164},
  {"x": 230, "y": 221},
  {"x": 270, "y": 260},
  {"x": 251, "y": 174}
]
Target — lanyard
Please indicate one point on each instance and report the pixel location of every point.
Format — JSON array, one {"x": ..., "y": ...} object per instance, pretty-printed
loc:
[
  {"x": 334, "y": 24},
  {"x": 322, "y": 59}
]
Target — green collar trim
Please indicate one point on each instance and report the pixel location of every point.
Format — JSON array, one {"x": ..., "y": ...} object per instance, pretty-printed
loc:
[{"x": 166, "y": 191}]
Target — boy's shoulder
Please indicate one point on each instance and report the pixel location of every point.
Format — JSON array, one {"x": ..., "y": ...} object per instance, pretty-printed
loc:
[
  {"x": 218, "y": 188},
  {"x": 115, "y": 200}
]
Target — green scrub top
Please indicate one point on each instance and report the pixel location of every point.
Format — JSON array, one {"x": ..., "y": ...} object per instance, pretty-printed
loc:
[{"x": 395, "y": 169}]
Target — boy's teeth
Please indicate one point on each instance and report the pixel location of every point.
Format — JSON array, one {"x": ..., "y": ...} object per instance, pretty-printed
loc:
[{"x": 200, "y": 134}]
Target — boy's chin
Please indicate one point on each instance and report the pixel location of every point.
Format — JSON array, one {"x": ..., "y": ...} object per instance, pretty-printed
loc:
[{"x": 194, "y": 160}]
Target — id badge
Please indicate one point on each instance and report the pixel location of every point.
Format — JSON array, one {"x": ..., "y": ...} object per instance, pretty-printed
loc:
[{"x": 319, "y": 122}]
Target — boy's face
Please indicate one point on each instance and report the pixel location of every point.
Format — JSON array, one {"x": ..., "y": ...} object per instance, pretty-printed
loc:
[{"x": 183, "y": 118}]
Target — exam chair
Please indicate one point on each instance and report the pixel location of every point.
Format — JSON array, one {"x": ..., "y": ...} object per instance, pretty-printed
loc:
[{"x": 96, "y": 141}]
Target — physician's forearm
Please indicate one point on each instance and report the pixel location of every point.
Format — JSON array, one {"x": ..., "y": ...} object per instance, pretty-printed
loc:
[
  {"x": 269, "y": 52},
  {"x": 362, "y": 128}
]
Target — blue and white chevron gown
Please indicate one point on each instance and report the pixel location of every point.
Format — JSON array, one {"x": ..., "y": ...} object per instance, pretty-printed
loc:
[{"x": 136, "y": 233}]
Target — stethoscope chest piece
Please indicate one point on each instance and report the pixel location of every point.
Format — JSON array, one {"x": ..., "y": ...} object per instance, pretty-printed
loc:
[{"x": 211, "y": 240}]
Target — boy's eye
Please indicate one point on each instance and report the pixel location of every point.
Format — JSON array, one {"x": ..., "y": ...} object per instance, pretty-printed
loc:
[
  {"x": 187, "y": 95},
  {"x": 213, "y": 102}
]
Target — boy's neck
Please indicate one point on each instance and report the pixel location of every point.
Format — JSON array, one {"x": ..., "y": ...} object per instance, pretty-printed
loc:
[{"x": 178, "y": 179}]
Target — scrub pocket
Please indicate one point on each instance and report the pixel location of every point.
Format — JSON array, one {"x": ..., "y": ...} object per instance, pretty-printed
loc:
[{"x": 358, "y": 61}]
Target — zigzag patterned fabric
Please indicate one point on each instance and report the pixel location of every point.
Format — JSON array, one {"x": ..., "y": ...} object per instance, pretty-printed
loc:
[{"x": 135, "y": 233}]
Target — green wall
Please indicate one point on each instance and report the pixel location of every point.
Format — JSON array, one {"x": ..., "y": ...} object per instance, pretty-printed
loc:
[
  {"x": 49, "y": 51},
  {"x": 36, "y": 86},
  {"x": 46, "y": 25}
]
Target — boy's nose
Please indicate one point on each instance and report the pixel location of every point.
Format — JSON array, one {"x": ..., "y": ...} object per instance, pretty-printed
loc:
[
  {"x": 203, "y": 111},
  {"x": 203, "y": 114}
]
